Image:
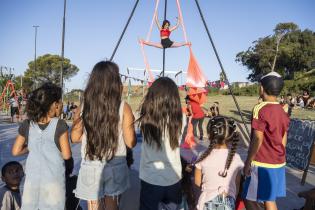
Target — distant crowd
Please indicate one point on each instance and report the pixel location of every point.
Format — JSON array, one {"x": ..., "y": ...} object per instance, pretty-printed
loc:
[{"x": 303, "y": 101}]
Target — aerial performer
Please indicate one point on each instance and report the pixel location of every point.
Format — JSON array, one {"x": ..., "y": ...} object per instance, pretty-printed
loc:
[{"x": 165, "y": 32}]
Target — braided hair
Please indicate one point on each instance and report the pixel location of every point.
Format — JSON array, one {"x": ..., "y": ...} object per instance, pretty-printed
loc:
[{"x": 221, "y": 130}]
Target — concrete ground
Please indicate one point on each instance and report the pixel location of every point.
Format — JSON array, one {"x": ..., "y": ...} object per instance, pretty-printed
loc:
[{"x": 130, "y": 199}]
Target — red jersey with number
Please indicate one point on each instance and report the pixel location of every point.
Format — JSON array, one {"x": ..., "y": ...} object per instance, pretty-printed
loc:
[
  {"x": 165, "y": 32},
  {"x": 271, "y": 119},
  {"x": 196, "y": 109}
]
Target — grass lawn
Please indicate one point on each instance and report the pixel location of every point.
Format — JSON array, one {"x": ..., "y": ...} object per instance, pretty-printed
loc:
[{"x": 228, "y": 107}]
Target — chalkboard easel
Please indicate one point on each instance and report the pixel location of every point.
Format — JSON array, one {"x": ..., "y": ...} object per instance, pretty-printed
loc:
[
  {"x": 300, "y": 145},
  {"x": 308, "y": 165}
]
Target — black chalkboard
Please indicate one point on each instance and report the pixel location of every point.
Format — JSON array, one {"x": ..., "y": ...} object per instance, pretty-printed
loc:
[{"x": 301, "y": 137}]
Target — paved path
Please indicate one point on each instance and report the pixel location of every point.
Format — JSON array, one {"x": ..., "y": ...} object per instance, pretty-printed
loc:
[{"x": 131, "y": 197}]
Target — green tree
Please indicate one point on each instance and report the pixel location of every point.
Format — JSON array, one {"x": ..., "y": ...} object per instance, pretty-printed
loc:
[
  {"x": 292, "y": 49},
  {"x": 48, "y": 69}
]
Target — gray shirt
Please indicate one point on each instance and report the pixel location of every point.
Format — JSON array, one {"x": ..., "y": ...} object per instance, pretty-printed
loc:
[{"x": 9, "y": 199}]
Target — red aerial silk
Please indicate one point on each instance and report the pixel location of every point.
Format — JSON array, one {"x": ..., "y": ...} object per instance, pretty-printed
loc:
[
  {"x": 195, "y": 76},
  {"x": 198, "y": 95},
  {"x": 189, "y": 139},
  {"x": 239, "y": 205},
  {"x": 196, "y": 81}
]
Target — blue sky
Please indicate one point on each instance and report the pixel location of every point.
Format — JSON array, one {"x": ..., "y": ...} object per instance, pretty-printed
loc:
[{"x": 93, "y": 28}]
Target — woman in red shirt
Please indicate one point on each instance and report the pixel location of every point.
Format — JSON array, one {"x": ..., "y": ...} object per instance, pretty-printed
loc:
[
  {"x": 165, "y": 32},
  {"x": 197, "y": 117}
]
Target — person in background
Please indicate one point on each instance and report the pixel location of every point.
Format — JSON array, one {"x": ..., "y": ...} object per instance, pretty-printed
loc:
[
  {"x": 23, "y": 105},
  {"x": 66, "y": 109},
  {"x": 306, "y": 96},
  {"x": 10, "y": 197},
  {"x": 282, "y": 100},
  {"x": 14, "y": 107},
  {"x": 198, "y": 117},
  {"x": 290, "y": 103},
  {"x": 44, "y": 137},
  {"x": 214, "y": 110},
  {"x": 72, "y": 109},
  {"x": 265, "y": 164},
  {"x": 300, "y": 102}
]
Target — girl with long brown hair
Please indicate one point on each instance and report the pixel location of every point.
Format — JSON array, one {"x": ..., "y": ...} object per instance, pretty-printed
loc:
[
  {"x": 106, "y": 127},
  {"x": 219, "y": 180},
  {"x": 160, "y": 166}
]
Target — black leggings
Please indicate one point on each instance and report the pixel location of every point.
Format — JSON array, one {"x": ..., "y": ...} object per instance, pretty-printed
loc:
[
  {"x": 154, "y": 197},
  {"x": 199, "y": 122}
]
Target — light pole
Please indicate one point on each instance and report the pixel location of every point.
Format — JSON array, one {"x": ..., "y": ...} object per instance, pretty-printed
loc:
[
  {"x": 35, "y": 27},
  {"x": 63, "y": 44}
]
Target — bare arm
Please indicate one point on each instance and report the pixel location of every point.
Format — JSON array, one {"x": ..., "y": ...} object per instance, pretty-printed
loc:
[
  {"x": 65, "y": 146},
  {"x": 189, "y": 109},
  {"x": 284, "y": 139},
  {"x": 238, "y": 182},
  {"x": 255, "y": 145},
  {"x": 176, "y": 26},
  {"x": 77, "y": 128},
  {"x": 157, "y": 22},
  {"x": 129, "y": 133},
  {"x": 198, "y": 177},
  {"x": 19, "y": 146},
  {"x": 253, "y": 149}
]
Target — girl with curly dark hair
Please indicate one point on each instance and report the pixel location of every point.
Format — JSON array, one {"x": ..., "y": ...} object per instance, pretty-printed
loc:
[
  {"x": 105, "y": 126},
  {"x": 219, "y": 180},
  {"x": 160, "y": 166},
  {"x": 45, "y": 138}
]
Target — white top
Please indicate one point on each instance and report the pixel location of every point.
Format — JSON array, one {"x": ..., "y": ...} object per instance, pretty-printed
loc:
[
  {"x": 13, "y": 102},
  {"x": 160, "y": 166},
  {"x": 121, "y": 149}
]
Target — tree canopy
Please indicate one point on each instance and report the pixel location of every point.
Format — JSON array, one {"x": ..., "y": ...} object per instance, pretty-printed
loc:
[
  {"x": 296, "y": 52},
  {"x": 48, "y": 69}
]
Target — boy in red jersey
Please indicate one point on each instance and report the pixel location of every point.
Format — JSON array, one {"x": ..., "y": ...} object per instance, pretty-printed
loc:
[{"x": 265, "y": 164}]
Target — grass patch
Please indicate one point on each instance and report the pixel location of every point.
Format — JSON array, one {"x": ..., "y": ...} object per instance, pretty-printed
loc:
[{"x": 228, "y": 108}]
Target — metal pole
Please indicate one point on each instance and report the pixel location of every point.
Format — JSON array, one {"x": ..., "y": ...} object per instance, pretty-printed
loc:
[
  {"x": 63, "y": 45},
  {"x": 125, "y": 28},
  {"x": 165, "y": 11},
  {"x": 35, "y": 55},
  {"x": 35, "y": 47},
  {"x": 222, "y": 69}
]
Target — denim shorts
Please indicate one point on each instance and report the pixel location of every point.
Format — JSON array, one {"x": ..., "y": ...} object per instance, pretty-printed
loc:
[
  {"x": 220, "y": 203},
  {"x": 98, "y": 179}
]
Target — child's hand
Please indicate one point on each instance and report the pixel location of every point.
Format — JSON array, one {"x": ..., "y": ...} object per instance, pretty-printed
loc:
[
  {"x": 247, "y": 169},
  {"x": 189, "y": 168}
]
